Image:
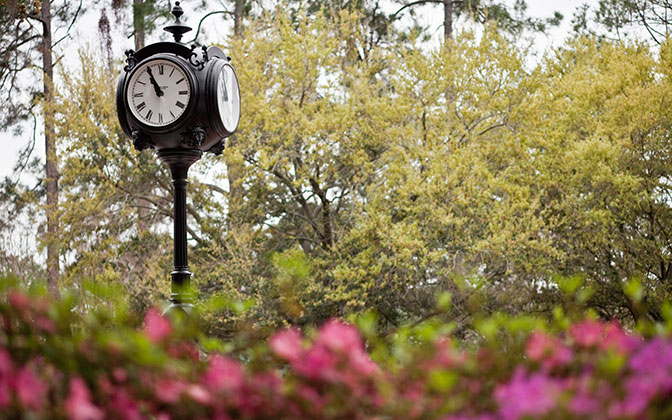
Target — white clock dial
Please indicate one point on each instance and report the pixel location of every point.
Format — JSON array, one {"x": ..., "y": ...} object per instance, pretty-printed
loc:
[
  {"x": 158, "y": 93},
  {"x": 228, "y": 98}
]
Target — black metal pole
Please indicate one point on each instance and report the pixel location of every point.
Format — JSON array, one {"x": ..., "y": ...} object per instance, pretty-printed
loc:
[{"x": 179, "y": 161}]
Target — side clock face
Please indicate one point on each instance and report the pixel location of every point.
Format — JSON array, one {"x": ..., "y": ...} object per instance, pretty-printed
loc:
[
  {"x": 158, "y": 93},
  {"x": 228, "y": 98}
]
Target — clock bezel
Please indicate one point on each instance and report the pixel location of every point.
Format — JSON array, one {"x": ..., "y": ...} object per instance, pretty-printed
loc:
[
  {"x": 190, "y": 107},
  {"x": 211, "y": 93}
]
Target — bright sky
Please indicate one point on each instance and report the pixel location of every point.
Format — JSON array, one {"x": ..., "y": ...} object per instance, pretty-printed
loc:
[{"x": 88, "y": 34}]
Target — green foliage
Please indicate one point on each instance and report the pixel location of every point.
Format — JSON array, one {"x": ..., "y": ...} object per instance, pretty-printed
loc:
[{"x": 388, "y": 181}]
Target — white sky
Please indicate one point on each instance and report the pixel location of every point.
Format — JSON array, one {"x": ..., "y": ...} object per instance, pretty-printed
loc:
[{"x": 87, "y": 33}]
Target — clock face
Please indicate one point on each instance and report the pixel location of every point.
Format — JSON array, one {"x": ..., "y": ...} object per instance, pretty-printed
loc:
[
  {"x": 228, "y": 98},
  {"x": 158, "y": 93}
]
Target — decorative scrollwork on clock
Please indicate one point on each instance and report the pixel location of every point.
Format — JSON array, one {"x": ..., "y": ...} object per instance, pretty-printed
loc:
[
  {"x": 141, "y": 141},
  {"x": 194, "y": 136},
  {"x": 131, "y": 60},
  {"x": 195, "y": 61}
]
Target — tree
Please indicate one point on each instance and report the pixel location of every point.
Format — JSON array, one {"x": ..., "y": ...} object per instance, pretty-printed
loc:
[
  {"x": 622, "y": 16},
  {"x": 511, "y": 19},
  {"x": 19, "y": 57},
  {"x": 605, "y": 162}
]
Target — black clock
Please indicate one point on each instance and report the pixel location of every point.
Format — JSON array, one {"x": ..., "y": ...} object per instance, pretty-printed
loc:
[
  {"x": 159, "y": 92},
  {"x": 180, "y": 101},
  {"x": 223, "y": 98},
  {"x": 172, "y": 96}
]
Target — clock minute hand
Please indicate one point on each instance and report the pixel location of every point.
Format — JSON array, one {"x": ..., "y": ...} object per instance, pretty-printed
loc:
[{"x": 157, "y": 89}]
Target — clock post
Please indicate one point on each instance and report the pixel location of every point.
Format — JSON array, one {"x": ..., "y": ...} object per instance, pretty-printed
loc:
[
  {"x": 178, "y": 161},
  {"x": 181, "y": 102}
]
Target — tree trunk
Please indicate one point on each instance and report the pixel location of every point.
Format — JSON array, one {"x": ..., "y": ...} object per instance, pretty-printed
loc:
[
  {"x": 447, "y": 20},
  {"x": 139, "y": 23},
  {"x": 50, "y": 148},
  {"x": 238, "y": 18},
  {"x": 235, "y": 169}
]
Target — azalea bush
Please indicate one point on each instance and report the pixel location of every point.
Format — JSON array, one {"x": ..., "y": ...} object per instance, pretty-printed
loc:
[{"x": 58, "y": 360}]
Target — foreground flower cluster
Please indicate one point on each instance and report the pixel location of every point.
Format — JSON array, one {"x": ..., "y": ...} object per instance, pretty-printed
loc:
[{"x": 55, "y": 364}]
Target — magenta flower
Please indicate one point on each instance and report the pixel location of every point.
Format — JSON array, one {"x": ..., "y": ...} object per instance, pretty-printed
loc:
[
  {"x": 526, "y": 395},
  {"x": 19, "y": 300},
  {"x": 361, "y": 363},
  {"x": 6, "y": 368},
  {"x": 78, "y": 403},
  {"x": 199, "y": 394},
  {"x": 617, "y": 339},
  {"x": 584, "y": 404},
  {"x": 224, "y": 374},
  {"x": 156, "y": 327},
  {"x": 318, "y": 363},
  {"x": 587, "y": 333},
  {"x": 125, "y": 406},
  {"x": 550, "y": 351},
  {"x": 6, "y": 365},
  {"x": 5, "y": 393},
  {"x": 339, "y": 337},
  {"x": 654, "y": 356},
  {"x": 287, "y": 344},
  {"x": 169, "y": 391},
  {"x": 30, "y": 390}
]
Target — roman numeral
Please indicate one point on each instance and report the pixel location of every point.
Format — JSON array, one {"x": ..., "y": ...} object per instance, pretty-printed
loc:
[
  {"x": 141, "y": 106},
  {"x": 183, "y": 92},
  {"x": 180, "y": 104},
  {"x": 149, "y": 115},
  {"x": 160, "y": 118},
  {"x": 161, "y": 69},
  {"x": 179, "y": 81},
  {"x": 138, "y": 95}
]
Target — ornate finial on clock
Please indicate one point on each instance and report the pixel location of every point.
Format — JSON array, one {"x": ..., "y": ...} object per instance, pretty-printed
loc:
[{"x": 178, "y": 28}]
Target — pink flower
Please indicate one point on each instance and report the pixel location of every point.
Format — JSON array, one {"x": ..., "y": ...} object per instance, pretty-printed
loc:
[
  {"x": 584, "y": 404},
  {"x": 125, "y": 406},
  {"x": 5, "y": 393},
  {"x": 654, "y": 356},
  {"x": 169, "y": 391},
  {"x": 549, "y": 351},
  {"x": 19, "y": 300},
  {"x": 318, "y": 362},
  {"x": 526, "y": 395},
  {"x": 199, "y": 394},
  {"x": 156, "y": 327},
  {"x": 640, "y": 391},
  {"x": 30, "y": 390},
  {"x": 6, "y": 365},
  {"x": 119, "y": 375},
  {"x": 313, "y": 398},
  {"x": 587, "y": 333},
  {"x": 45, "y": 324},
  {"x": 361, "y": 363},
  {"x": 78, "y": 403},
  {"x": 224, "y": 374},
  {"x": 339, "y": 337},
  {"x": 287, "y": 344},
  {"x": 615, "y": 338}
]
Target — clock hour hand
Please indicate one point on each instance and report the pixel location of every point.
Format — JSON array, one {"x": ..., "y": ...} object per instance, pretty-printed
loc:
[{"x": 157, "y": 89}]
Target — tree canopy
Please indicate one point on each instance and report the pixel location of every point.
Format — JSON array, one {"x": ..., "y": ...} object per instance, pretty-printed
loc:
[{"x": 386, "y": 175}]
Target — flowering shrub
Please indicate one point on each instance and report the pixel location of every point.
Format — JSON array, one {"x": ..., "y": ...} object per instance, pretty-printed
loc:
[{"x": 56, "y": 364}]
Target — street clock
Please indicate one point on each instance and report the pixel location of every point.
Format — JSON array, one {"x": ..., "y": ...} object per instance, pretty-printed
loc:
[
  {"x": 173, "y": 96},
  {"x": 180, "y": 101}
]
